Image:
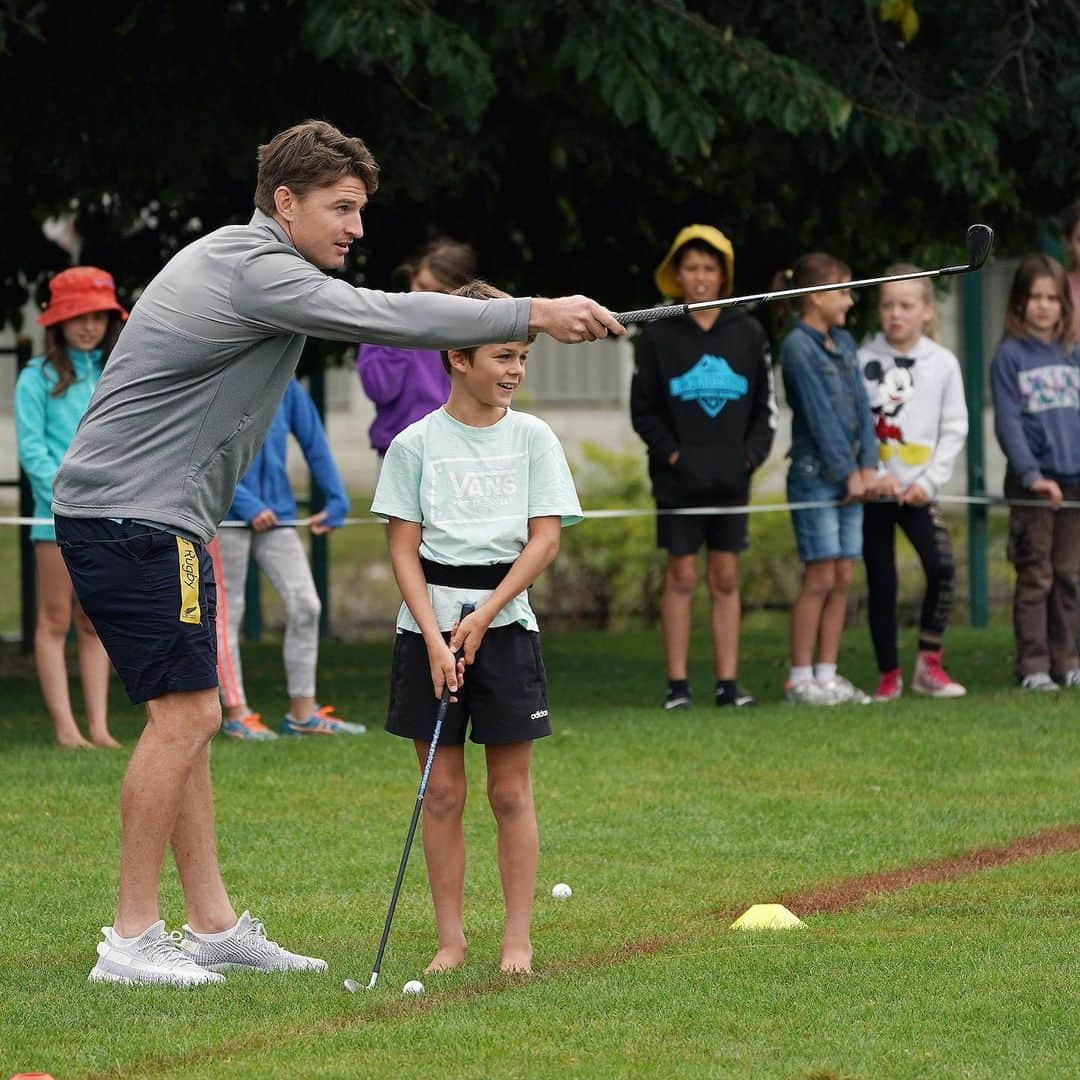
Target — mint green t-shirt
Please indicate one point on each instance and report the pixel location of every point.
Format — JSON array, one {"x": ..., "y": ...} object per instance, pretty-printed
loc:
[{"x": 473, "y": 491}]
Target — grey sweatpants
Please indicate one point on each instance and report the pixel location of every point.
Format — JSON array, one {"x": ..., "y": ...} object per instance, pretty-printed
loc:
[{"x": 281, "y": 557}]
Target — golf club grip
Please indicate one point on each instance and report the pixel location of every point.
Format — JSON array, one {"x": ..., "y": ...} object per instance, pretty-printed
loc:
[{"x": 668, "y": 311}]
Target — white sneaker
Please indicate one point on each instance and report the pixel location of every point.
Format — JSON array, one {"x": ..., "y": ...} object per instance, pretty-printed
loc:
[
  {"x": 246, "y": 947},
  {"x": 1071, "y": 679},
  {"x": 841, "y": 691},
  {"x": 807, "y": 692},
  {"x": 153, "y": 957},
  {"x": 1040, "y": 681}
]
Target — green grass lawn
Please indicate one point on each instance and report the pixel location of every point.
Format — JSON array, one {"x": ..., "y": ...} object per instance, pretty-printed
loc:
[{"x": 660, "y": 822}]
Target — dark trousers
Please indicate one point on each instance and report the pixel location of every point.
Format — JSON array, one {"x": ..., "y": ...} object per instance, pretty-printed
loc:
[
  {"x": 925, "y": 528},
  {"x": 1044, "y": 546}
]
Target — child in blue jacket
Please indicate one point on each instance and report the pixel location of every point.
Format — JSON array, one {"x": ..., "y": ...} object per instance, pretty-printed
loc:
[
  {"x": 264, "y": 498},
  {"x": 82, "y": 322}
]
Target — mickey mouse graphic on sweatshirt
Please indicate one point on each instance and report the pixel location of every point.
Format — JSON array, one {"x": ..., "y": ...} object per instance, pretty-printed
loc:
[{"x": 920, "y": 413}]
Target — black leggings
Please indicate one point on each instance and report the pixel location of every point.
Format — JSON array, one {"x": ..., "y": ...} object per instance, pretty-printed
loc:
[{"x": 925, "y": 528}]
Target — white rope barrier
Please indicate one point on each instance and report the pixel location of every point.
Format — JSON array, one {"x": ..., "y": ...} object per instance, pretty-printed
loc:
[{"x": 690, "y": 511}]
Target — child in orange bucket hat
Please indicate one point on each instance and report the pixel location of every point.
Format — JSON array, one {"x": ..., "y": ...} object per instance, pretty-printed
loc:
[{"x": 82, "y": 321}]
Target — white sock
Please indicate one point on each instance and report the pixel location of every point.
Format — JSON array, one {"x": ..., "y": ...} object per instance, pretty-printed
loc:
[
  {"x": 824, "y": 672},
  {"x": 124, "y": 941},
  {"x": 220, "y": 936},
  {"x": 800, "y": 675}
]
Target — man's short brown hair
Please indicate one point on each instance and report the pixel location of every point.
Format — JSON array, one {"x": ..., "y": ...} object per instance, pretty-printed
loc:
[{"x": 310, "y": 155}]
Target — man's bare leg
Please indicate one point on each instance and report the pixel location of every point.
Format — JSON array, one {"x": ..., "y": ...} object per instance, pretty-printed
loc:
[
  {"x": 195, "y": 850},
  {"x": 178, "y": 729},
  {"x": 444, "y": 850}
]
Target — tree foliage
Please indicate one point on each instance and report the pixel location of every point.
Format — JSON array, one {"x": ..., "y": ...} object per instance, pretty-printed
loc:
[{"x": 567, "y": 139}]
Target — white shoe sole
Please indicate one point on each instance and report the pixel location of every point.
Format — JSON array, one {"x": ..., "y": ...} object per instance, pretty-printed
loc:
[
  {"x": 267, "y": 970},
  {"x": 954, "y": 691},
  {"x": 98, "y": 976}
]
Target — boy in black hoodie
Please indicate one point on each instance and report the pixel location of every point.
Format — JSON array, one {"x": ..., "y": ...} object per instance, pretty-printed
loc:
[{"x": 702, "y": 400}]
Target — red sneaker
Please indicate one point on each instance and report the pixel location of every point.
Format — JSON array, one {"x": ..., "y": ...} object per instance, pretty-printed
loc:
[
  {"x": 932, "y": 679},
  {"x": 890, "y": 686}
]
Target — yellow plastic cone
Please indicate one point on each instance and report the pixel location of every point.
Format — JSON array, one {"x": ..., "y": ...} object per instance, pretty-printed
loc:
[{"x": 768, "y": 917}]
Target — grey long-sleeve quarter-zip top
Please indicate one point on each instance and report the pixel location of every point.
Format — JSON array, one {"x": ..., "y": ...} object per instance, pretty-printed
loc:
[{"x": 200, "y": 368}]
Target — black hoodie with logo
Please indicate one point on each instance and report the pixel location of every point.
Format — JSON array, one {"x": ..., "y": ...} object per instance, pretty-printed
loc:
[{"x": 709, "y": 395}]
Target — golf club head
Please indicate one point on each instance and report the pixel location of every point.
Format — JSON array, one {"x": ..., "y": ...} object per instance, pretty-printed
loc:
[{"x": 980, "y": 241}]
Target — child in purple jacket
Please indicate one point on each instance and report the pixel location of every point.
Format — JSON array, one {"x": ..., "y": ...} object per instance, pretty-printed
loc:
[{"x": 406, "y": 384}]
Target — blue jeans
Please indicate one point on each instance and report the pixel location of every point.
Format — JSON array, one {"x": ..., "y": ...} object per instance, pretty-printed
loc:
[{"x": 827, "y": 532}]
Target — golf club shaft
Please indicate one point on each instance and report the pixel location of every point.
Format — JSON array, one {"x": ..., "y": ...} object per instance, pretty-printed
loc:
[
  {"x": 977, "y": 252},
  {"x": 440, "y": 716}
]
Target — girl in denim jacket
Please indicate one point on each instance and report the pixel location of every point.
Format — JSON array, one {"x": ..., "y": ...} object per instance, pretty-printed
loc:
[{"x": 833, "y": 460}]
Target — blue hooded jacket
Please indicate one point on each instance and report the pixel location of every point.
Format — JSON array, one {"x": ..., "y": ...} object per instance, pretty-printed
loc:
[
  {"x": 45, "y": 425},
  {"x": 266, "y": 483}
]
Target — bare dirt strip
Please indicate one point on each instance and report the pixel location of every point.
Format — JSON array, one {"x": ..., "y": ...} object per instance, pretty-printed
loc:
[{"x": 847, "y": 894}]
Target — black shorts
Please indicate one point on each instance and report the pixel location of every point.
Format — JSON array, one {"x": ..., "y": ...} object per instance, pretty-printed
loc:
[
  {"x": 504, "y": 693},
  {"x": 152, "y": 599},
  {"x": 683, "y": 534}
]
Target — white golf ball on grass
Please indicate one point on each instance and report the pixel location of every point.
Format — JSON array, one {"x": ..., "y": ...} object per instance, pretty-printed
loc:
[
  {"x": 413, "y": 986},
  {"x": 562, "y": 891}
]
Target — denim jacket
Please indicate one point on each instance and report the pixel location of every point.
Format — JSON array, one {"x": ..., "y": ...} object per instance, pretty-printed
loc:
[{"x": 831, "y": 419}]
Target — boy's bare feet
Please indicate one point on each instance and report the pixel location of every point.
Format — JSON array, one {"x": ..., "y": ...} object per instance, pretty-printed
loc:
[
  {"x": 104, "y": 740},
  {"x": 72, "y": 740},
  {"x": 516, "y": 959},
  {"x": 447, "y": 958}
]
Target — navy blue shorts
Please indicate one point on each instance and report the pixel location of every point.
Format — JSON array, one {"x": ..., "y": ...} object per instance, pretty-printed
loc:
[
  {"x": 152, "y": 599},
  {"x": 504, "y": 694}
]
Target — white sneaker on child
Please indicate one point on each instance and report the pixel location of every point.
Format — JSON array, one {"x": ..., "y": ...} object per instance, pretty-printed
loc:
[
  {"x": 1039, "y": 681},
  {"x": 153, "y": 957},
  {"x": 246, "y": 947},
  {"x": 841, "y": 691},
  {"x": 806, "y": 692}
]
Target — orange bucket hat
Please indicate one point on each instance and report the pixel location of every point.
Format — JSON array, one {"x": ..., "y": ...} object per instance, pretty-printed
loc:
[
  {"x": 79, "y": 291},
  {"x": 665, "y": 278}
]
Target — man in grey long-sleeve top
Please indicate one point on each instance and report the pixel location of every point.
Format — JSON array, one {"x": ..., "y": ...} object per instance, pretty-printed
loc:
[{"x": 181, "y": 409}]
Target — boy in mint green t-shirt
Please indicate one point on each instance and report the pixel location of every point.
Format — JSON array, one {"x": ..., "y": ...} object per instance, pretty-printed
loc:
[{"x": 475, "y": 496}]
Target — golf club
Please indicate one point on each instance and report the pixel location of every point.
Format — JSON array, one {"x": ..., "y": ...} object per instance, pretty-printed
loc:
[
  {"x": 350, "y": 984},
  {"x": 980, "y": 239}
]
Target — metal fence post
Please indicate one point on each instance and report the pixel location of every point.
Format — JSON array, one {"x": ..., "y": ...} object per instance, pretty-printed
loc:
[
  {"x": 252, "y": 604},
  {"x": 976, "y": 469},
  {"x": 320, "y": 548},
  {"x": 27, "y": 571}
]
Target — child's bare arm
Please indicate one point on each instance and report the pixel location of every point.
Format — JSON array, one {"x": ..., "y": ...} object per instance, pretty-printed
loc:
[
  {"x": 404, "y": 537},
  {"x": 536, "y": 556}
]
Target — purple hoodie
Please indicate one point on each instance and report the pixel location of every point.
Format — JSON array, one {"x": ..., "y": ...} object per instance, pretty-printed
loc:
[{"x": 404, "y": 384}]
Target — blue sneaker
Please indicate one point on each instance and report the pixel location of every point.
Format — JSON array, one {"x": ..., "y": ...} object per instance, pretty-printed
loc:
[
  {"x": 247, "y": 727},
  {"x": 320, "y": 722}
]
